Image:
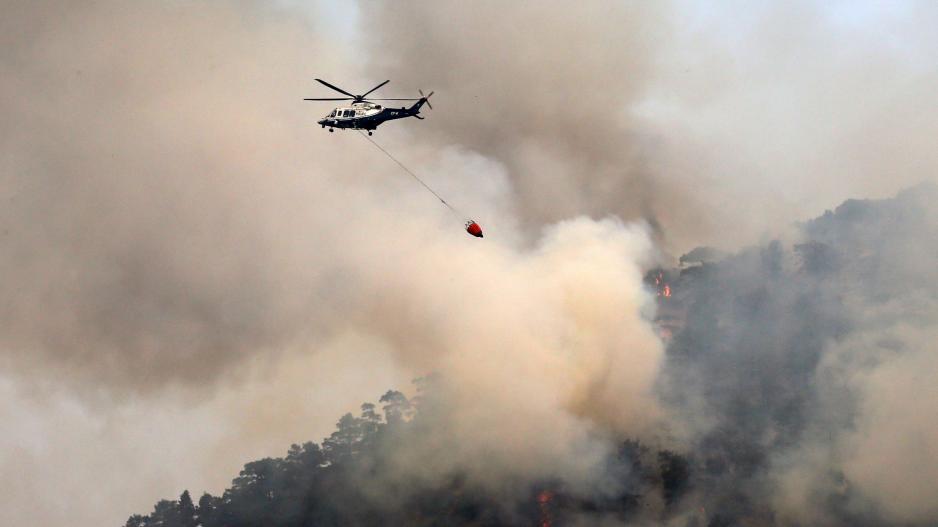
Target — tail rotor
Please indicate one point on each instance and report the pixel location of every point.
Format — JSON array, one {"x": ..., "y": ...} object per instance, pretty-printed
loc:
[{"x": 426, "y": 98}]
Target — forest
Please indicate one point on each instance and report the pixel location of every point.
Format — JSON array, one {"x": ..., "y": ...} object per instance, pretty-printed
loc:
[
  {"x": 327, "y": 484},
  {"x": 774, "y": 353}
]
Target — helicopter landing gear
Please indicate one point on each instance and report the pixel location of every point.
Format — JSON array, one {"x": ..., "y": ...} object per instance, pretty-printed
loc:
[
  {"x": 369, "y": 132},
  {"x": 331, "y": 130}
]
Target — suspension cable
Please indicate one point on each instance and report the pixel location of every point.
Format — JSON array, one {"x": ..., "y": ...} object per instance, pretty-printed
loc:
[{"x": 409, "y": 171}]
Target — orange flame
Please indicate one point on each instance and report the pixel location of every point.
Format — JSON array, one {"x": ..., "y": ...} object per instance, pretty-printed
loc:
[
  {"x": 543, "y": 501},
  {"x": 544, "y": 497},
  {"x": 661, "y": 287}
]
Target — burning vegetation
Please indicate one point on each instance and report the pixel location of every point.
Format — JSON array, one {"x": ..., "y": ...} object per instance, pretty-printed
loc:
[
  {"x": 343, "y": 481},
  {"x": 544, "y": 499},
  {"x": 770, "y": 356}
]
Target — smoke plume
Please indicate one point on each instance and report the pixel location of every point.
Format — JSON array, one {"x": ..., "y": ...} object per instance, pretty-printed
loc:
[
  {"x": 703, "y": 121},
  {"x": 194, "y": 274},
  {"x": 795, "y": 370},
  {"x": 177, "y": 244}
]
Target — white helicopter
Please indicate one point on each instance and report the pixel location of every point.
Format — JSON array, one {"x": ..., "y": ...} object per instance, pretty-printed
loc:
[{"x": 364, "y": 114}]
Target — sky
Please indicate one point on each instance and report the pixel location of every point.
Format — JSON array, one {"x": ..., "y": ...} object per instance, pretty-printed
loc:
[{"x": 197, "y": 275}]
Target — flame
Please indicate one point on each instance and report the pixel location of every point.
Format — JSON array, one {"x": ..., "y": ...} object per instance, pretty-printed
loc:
[
  {"x": 661, "y": 286},
  {"x": 544, "y": 497},
  {"x": 543, "y": 501}
]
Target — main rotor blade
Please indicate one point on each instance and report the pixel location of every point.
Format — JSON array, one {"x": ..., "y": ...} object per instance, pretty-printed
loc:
[
  {"x": 375, "y": 88},
  {"x": 340, "y": 90},
  {"x": 393, "y": 99},
  {"x": 331, "y": 99}
]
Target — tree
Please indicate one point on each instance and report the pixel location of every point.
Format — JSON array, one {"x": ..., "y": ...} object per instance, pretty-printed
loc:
[
  {"x": 165, "y": 514},
  {"x": 343, "y": 443},
  {"x": 371, "y": 424},
  {"x": 208, "y": 510},
  {"x": 397, "y": 408},
  {"x": 251, "y": 499},
  {"x": 186, "y": 510},
  {"x": 675, "y": 475},
  {"x": 305, "y": 457}
]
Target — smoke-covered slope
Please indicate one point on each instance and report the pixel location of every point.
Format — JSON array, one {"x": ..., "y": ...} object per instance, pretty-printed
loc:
[
  {"x": 798, "y": 384},
  {"x": 354, "y": 478},
  {"x": 781, "y": 373}
]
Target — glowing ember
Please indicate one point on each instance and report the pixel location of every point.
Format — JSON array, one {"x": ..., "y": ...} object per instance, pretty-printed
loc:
[
  {"x": 545, "y": 497},
  {"x": 661, "y": 286},
  {"x": 543, "y": 502}
]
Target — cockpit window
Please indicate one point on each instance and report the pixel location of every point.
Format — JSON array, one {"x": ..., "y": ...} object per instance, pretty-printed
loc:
[
  {"x": 332, "y": 114},
  {"x": 377, "y": 107}
]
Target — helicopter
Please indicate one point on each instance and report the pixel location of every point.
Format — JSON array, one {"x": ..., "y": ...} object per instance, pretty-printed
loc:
[{"x": 364, "y": 114}]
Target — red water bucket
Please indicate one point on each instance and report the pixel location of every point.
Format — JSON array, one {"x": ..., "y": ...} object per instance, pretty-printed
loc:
[{"x": 474, "y": 229}]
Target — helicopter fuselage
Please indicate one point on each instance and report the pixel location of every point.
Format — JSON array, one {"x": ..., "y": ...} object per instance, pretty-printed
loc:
[{"x": 367, "y": 115}]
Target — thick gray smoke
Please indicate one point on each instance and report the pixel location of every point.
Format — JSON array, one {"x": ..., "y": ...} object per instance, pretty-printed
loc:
[
  {"x": 194, "y": 275},
  {"x": 802, "y": 373},
  {"x": 542, "y": 88},
  {"x": 191, "y": 270},
  {"x": 703, "y": 120},
  {"x": 145, "y": 188}
]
